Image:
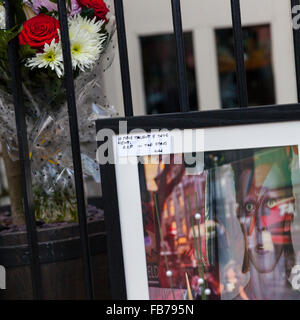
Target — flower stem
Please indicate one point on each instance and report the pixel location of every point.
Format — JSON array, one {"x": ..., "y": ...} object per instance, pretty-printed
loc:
[
  {"x": 196, "y": 244},
  {"x": 200, "y": 243},
  {"x": 161, "y": 237}
]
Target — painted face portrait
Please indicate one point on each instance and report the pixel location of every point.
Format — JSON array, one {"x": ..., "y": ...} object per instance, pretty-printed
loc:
[{"x": 266, "y": 208}]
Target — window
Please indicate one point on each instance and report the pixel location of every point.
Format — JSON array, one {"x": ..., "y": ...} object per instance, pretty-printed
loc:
[
  {"x": 258, "y": 62},
  {"x": 160, "y": 73}
]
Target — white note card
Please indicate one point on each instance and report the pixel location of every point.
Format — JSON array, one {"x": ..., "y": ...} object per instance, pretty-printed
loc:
[{"x": 144, "y": 144}]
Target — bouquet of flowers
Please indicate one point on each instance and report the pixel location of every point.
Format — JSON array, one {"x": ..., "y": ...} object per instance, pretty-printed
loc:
[{"x": 91, "y": 28}]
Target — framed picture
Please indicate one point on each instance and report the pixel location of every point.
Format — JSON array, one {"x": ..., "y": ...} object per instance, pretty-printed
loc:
[{"x": 203, "y": 205}]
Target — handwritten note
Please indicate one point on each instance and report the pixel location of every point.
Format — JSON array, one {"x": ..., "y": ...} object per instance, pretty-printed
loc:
[{"x": 143, "y": 144}]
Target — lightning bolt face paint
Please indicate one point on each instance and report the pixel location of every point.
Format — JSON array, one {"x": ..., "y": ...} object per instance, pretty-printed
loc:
[{"x": 266, "y": 208}]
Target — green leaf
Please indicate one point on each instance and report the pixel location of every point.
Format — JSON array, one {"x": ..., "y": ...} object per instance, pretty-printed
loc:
[
  {"x": 20, "y": 16},
  {"x": 26, "y": 52},
  {"x": 6, "y": 36},
  {"x": 87, "y": 12},
  {"x": 44, "y": 10}
]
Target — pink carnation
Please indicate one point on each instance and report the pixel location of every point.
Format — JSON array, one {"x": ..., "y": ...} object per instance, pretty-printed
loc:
[{"x": 36, "y": 5}]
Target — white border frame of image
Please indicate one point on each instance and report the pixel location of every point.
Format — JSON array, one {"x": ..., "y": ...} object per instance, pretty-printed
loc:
[
  {"x": 146, "y": 18},
  {"x": 128, "y": 187}
]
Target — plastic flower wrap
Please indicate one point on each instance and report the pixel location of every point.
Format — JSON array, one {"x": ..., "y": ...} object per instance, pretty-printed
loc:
[
  {"x": 2, "y": 17},
  {"x": 91, "y": 30}
]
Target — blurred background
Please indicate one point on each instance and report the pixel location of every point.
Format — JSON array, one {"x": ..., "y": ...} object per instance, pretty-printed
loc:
[{"x": 208, "y": 37}]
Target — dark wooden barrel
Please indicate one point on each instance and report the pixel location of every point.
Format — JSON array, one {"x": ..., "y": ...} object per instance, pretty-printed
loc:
[{"x": 61, "y": 263}]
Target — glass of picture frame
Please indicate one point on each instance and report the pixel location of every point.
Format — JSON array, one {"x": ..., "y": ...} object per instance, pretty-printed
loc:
[{"x": 203, "y": 205}]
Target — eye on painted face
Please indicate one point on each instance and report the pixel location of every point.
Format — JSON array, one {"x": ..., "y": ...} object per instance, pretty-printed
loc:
[{"x": 266, "y": 215}]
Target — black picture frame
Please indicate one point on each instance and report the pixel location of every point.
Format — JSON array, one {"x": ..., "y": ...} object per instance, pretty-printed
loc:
[{"x": 190, "y": 120}]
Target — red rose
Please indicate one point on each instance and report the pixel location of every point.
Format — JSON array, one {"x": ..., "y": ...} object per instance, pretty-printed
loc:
[
  {"x": 99, "y": 7},
  {"x": 38, "y": 31}
]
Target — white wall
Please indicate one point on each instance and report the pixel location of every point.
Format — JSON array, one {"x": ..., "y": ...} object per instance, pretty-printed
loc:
[{"x": 144, "y": 17}]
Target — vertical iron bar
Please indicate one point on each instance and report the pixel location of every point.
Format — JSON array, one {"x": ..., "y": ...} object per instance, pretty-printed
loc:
[
  {"x": 73, "y": 122},
  {"x": 181, "y": 68},
  {"x": 17, "y": 91},
  {"x": 124, "y": 62},
  {"x": 239, "y": 54},
  {"x": 296, "y": 34}
]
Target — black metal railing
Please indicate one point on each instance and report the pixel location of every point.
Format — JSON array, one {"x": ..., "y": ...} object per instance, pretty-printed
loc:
[
  {"x": 70, "y": 90},
  {"x": 239, "y": 53},
  {"x": 128, "y": 108},
  {"x": 24, "y": 154}
]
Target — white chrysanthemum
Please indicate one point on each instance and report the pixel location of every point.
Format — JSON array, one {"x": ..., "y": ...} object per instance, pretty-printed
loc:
[
  {"x": 2, "y": 17},
  {"x": 93, "y": 27},
  {"x": 85, "y": 47},
  {"x": 51, "y": 57}
]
